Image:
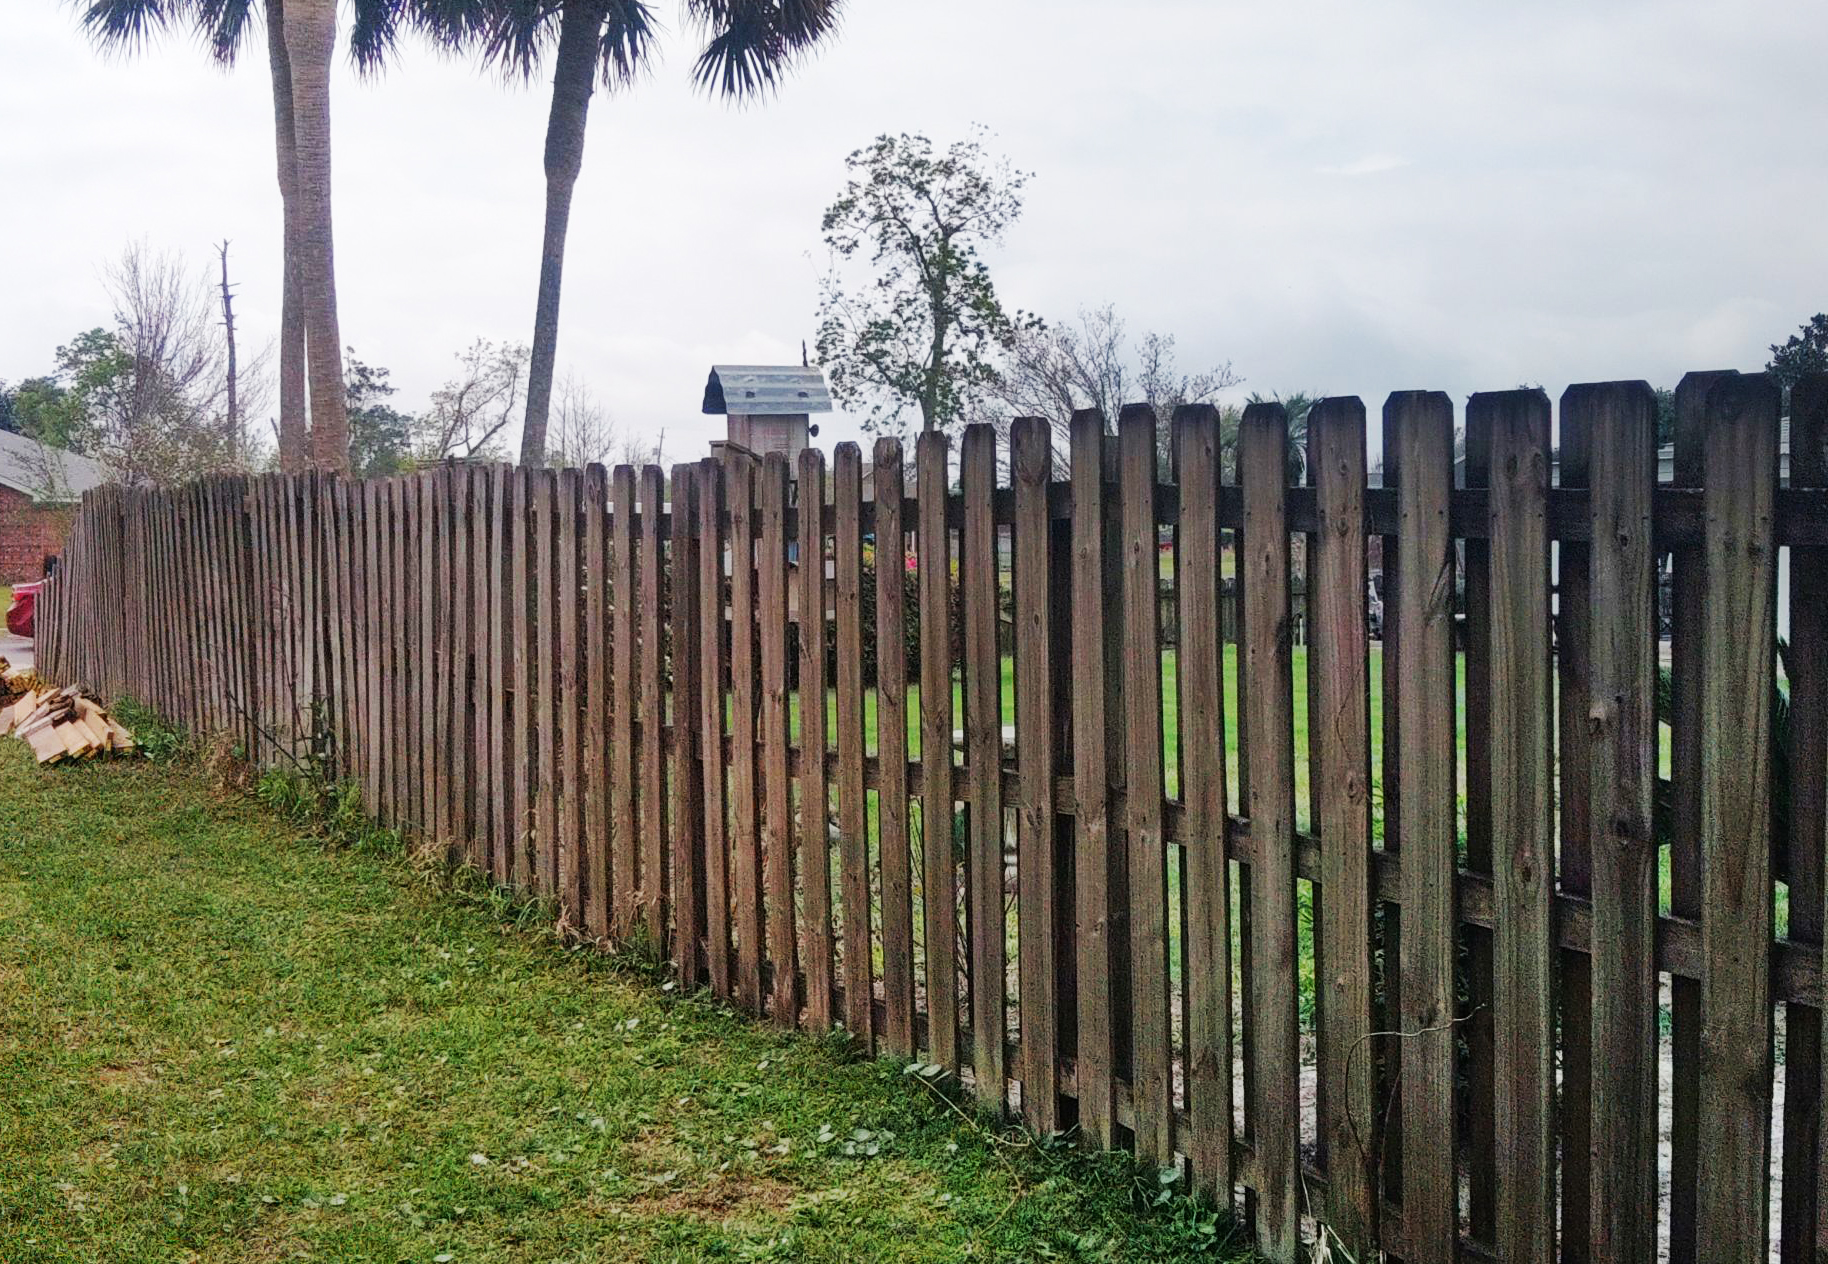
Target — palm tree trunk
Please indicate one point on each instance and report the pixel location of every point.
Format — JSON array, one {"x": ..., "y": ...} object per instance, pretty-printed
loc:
[
  {"x": 292, "y": 425},
  {"x": 310, "y": 27},
  {"x": 574, "y": 77}
]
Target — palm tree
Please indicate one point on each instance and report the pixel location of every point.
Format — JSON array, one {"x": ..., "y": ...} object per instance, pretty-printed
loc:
[
  {"x": 749, "y": 45},
  {"x": 310, "y": 40},
  {"x": 301, "y": 37}
]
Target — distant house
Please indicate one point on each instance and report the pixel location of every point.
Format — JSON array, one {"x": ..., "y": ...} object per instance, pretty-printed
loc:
[{"x": 39, "y": 489}]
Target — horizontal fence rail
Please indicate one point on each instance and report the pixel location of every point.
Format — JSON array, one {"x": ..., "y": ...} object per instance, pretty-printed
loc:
[{"x": 1400, "y": 923}]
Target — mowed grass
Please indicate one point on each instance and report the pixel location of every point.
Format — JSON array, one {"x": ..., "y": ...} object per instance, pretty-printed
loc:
[{"x": 221, "y": 1042}]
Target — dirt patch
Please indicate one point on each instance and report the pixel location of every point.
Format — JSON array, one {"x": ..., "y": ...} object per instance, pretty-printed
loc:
[
  {"x": 726, "y": 1195},
  {"x": 125, "y": 1078}
]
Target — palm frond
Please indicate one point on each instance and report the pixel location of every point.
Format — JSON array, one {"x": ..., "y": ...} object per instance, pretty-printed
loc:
[
  {"x": 130, "y": 24},
  {"x": 752, "y": 44},
  {"x": 374, "y": 35},
  {"x": 629, "y": 32},
  {"x": 225, "y": 26}
]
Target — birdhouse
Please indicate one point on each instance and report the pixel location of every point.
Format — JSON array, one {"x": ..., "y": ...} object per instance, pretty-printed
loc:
[{"x": 769, "y": 407}]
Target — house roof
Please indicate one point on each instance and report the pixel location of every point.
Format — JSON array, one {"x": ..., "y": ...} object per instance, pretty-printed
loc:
[
  {"x": 46, "y": 474},
  {"x": 760, "y": 390}
]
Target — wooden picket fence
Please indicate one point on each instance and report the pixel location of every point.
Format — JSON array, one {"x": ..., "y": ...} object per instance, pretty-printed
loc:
[{"x": 562, "y": 678}]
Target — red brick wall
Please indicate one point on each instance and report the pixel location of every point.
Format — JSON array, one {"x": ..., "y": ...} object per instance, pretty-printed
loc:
[{"x": 27, "y": 533}]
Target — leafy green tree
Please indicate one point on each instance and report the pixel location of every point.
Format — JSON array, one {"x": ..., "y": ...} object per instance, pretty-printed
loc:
[
  {"x": 749, "y": 46},
  {"x": 1806, "y": 351},
  {"x": 380, "y": 435},
  {"x": 920, "y": 326}
]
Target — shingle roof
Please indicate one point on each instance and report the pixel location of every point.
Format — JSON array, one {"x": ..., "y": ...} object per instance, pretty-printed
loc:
[
  {"x": 761, "y": 390},
  {"x": 46, "y": 474}
]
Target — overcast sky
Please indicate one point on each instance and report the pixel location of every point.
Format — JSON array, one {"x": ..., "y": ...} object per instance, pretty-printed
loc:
[{"x": 1335, "y": 197}]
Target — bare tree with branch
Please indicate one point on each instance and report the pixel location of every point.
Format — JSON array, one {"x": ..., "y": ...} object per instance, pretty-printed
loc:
[
  {"x": 1088, "y": 363},
  {"x": 470, "y": 411}
]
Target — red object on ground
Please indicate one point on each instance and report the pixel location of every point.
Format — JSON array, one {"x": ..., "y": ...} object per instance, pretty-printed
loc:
[{"x": 19, "y": 614}]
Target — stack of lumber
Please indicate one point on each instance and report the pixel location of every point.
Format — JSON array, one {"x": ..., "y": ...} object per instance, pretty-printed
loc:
[{"x": 58, "y": 723}]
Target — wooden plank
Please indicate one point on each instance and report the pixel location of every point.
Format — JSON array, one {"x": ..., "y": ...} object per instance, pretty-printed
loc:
[
  {"x": 1519, "y": 777},
  {"x": 853, "y": 824},
  {"x": 1206, "y": 892},
  {"x": 461, "y": 643},
  {"x": 892, "y": 751},
  {"x": 1269, "y": 798},
  {"x": 596, "y": 676},
  {"x": 655, "y": 853},
  {"x": 815, "y": 797},
  {"x": 777, "y": 790},
  {"x": 374, "y": 677},
  {"x": 1423, "y": 425},
  {"x": 569, "y": 778},
  {"x": 983, "y": 764},
  {"x": 1573, "y": 652},
  {"x": 1688, "y": 589},
  {"x": 1476, "y": 1011},
  {"x": 438, "y": 602},
  {"x": 1338, "y": 690},
  {"x": 425, "y": 755},
  {"x": 521, "y": 591},
  {"x": 624, "y": 841},
  {"x": 1093, "y": 856},
  {"x": 1031, "y": 462},
  {"x": 544, "y": 773},
  {"x": 401, "y": 643},
  {"x": 1620, "y": 421},
  {"x": 939, "y": 872},
  {"x": 444, "y": 762},
  {"x": 503, "y": 829},
  {"x": 1807, "y": 667},
  {"x": 687, "y": 862},
  {"x": 1741, "y": 566},
  {"x": 745, "y": 836},
  {"x": 1387, "y": 1150},
  {"x": 483, "y": 601},
  {"x": 713, "y": 674}
]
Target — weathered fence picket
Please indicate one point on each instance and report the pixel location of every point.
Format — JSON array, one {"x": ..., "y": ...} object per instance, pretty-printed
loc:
[{"x": 612, "y": 689}]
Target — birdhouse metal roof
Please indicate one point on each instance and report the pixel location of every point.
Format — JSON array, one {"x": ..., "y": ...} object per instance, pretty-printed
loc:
[{"x": 761, "y": 390}]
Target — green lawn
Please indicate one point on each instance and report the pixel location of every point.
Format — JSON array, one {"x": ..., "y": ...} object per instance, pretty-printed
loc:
[{"x": 221, "y": 1042}]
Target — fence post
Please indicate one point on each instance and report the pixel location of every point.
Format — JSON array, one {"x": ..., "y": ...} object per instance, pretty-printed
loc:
[
  {"x": 1519, "y": 779},
  {"x": 1620, "y": 422},
  {"x": 1205, "y": 894},
  {"x": 1091, "y": 788},
  {"x": 1741, "y": 564},
  {"x": 624, "y": 840},
  {"x": 892, "y": 750},
  {"x": 745, "y": 837},
  {"x": 1688, "y": 591},
  {"x": 977, "y": 569},
  {"x": 815, "y": 796},
  {"x": 1807, "y": 668},
  {"x": 1031, "y": 463},
  {"x": 712, "y": 672},
  {"x": 1340, "y": 740},
  {"x": 1423, "y": 425},
  {"x": 777, "y": 790},
  {"x": 1269, "y": 799},
  {"x": 687, "y": 777},
  {"x": 937, "y": 807}
]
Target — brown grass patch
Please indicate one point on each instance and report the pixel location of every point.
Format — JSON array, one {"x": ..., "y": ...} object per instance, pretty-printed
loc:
[{"x": 124, "y": 1078}]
